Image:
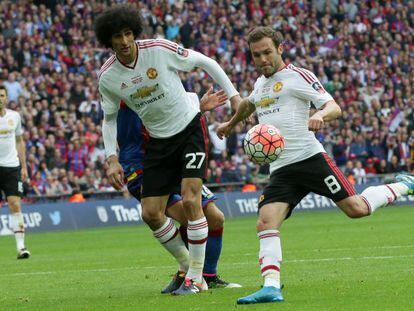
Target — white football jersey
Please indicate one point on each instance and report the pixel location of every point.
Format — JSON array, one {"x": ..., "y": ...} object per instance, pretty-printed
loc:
[
  {"x": 283, "y": 100},
  {"x": 151, "y": 87},
  {"x": 10, "y": 127}
]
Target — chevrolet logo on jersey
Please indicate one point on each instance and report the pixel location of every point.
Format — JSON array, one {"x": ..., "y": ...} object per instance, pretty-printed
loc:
[
  {"x": 144, "y": 92},
  {"x": 266, "y": 102}
]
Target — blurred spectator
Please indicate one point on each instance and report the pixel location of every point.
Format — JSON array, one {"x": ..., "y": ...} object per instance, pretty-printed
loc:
[{"x": 49, "y": 60}]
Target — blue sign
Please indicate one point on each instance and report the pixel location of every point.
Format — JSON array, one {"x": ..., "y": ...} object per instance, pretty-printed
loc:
[{"x": 69, "y": 216}]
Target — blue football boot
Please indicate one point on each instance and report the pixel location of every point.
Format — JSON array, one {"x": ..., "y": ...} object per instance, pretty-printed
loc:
[
  {"x": 266, "y": 294},
  {"x": 408, "y": 181}
]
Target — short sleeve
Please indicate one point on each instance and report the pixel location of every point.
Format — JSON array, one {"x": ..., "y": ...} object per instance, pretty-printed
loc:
[
  {"x": 178, "y": 57},
  {"x": 308, "y": 87}
]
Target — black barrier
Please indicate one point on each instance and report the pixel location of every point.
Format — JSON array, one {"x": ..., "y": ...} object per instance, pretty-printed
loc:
[{"x": 103, "y": 213}]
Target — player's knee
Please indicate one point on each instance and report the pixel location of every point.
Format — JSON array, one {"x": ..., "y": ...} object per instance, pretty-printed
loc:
[
  {"x": 151, "y": 217},
  {"x": 356, "y": 210},
  {"x": 190, "y": 201},
  {"x": 14, "y": 206},
  {"x": 261, "y": 224}
]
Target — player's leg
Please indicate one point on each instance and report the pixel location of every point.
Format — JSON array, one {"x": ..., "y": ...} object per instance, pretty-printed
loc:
[
  {"x": 193, "y": 171},
  {"x": 197, "y": 232},
  {"x": 13, "y": 189},
  {"x": 280, "y": 196},
  {"x": 17, "y": 226},
  {"x": 164, "y": 229},
  {"x": 175, "y": 211},
  {"x": 271, "y": 217},
  {"x": 336, "y": 186}
]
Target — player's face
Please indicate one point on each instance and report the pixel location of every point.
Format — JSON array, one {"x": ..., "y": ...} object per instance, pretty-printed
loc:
[
  {"x": 123, "y": 43},
  {"x": 267, "y": 58},
  {"x": 3, "y": 99}
]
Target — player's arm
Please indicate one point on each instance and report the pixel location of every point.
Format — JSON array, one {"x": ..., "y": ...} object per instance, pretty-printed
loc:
[
  {"x": 187, "y": 60},
  {"x": 217, "y": 73},
  {"x": 313, "y": 91},
  {"x": 21, "y": 151},
  {"x": 328, "y": 112},
  {"x": 244, "y": 110},
  {"x": 109, "y": 133}
]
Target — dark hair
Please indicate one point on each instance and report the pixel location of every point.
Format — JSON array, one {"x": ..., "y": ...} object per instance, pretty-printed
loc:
[
  {"x": 2, "y": 87},
  {"x": 114, "y": 20},
  {"x": 265, "y": 32}
]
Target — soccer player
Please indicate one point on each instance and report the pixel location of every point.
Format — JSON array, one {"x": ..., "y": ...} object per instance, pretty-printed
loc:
[
  {"x": 144, "y": 75},
  {"x": 303, "y": 166},
  {"x": 131, "y": 136},
  {"x": 12, "y": 169}
]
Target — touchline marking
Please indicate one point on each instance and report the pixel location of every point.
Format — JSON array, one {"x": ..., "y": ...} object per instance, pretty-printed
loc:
[{"x": 223, "y": 264}]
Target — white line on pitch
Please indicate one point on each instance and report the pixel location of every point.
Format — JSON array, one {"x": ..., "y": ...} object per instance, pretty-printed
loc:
[{"x": 221, "y": 265}]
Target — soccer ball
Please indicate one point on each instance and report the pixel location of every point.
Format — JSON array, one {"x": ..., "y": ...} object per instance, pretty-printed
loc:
[{"x": 263, "y": 143}]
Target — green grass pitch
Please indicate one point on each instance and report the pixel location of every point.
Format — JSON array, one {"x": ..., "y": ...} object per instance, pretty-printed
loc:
[{"x": 330, "y": 263}]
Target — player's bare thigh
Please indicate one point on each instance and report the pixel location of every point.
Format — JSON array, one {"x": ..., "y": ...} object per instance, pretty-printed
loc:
[
  {"x": 272, "y": 215},
  {"x": 354, "y": 206},
  {"x": 14, "y": 203}
]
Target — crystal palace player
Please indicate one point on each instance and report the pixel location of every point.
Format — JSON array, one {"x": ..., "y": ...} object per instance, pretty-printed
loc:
[
  {"x": 12, "y": 169},
  {"x": 131, "y": 138},
  {"x": 288, "y": 91},
  {"x": 144, "y": 75}
]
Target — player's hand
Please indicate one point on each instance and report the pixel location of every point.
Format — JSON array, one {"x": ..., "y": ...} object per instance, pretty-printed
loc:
[
  {"x": 315, "y": 123},
  {"x": 25, "y": 175},
  {"x": 224, "y": 130},
  {"x": 115, "y": 173},
  {"x": 211, "y": 100}
]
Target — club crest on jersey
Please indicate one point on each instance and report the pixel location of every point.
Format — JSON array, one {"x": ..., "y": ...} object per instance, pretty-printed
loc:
[
  {"x": 318, "y": 87},
  {"x": 10, "y": 122},
  {"x": 144, "y": 92},
  {"x": 181, "y": 51},
  {"x": 152, "y": 73},
  {"x": 261, "y": 198},
  {"x": 277, "y": 87},
  {"x": 123, "y": 85}
]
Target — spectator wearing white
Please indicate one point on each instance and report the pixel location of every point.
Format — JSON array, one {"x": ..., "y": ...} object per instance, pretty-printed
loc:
[{"x": 14, "y": 89}]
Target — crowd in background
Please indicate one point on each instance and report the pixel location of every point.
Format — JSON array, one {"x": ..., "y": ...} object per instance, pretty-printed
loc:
[{"x": 362, "y": 52}]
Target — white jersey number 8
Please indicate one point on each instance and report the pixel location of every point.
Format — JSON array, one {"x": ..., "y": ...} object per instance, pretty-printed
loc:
[{"x": 332, "y": 184}]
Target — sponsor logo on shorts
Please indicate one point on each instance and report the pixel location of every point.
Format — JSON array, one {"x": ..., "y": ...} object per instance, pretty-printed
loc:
[
  {"x": 123, "y": 85},
  {"x": 152, "y": 73},
  {"x": 277, "y": 87}
]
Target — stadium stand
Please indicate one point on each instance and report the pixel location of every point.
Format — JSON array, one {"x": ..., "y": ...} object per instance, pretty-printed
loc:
[{"x": 362, "y": 51}]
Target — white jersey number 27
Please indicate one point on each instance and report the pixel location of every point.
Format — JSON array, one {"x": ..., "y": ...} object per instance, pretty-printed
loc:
[{"x": 196, "y": 160}]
